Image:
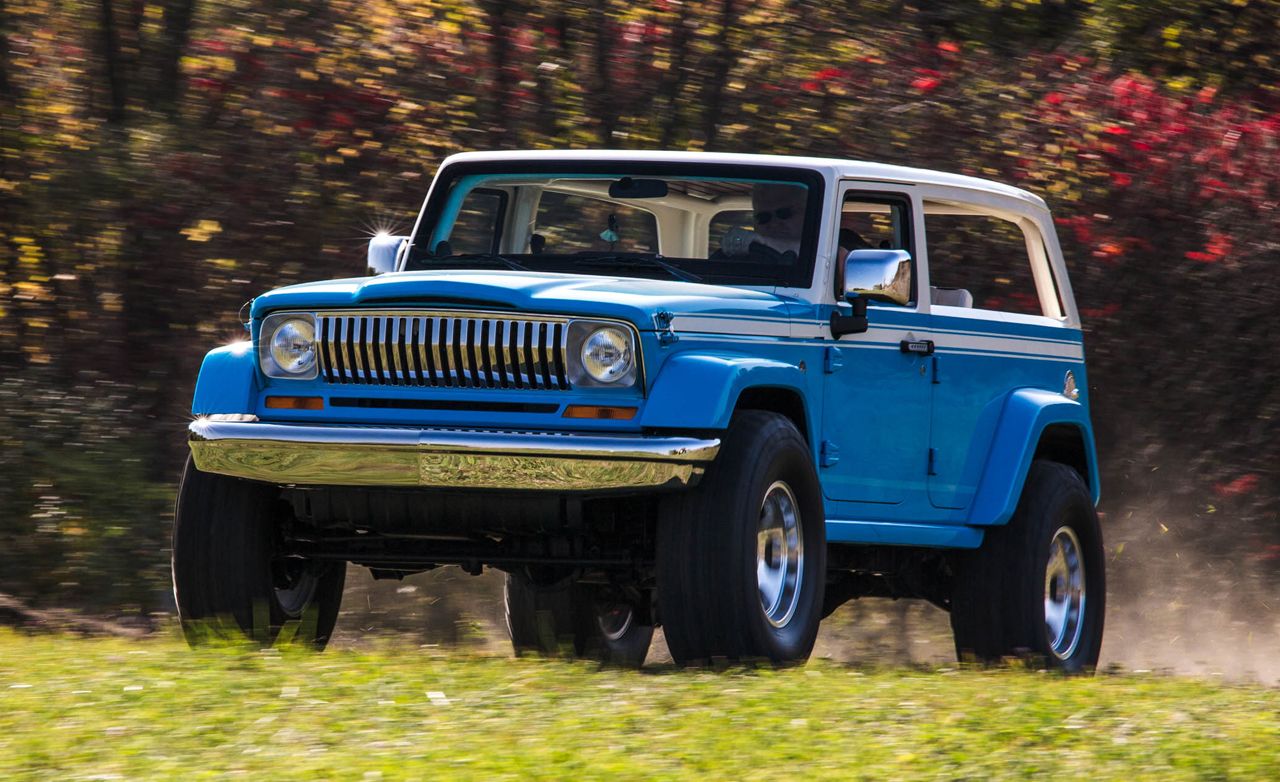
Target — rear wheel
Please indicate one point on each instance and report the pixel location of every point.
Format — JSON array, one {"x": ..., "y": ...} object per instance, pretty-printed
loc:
[
  {"x": 741, "y": 559},
  {"x": 573, "y": 619},
  {"x": 230, "y": 578},
  {"x": 1036, "y": 586}
]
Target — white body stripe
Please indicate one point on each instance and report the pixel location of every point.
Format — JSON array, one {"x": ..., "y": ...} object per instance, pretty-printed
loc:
[{"x": 949, "y": 341}]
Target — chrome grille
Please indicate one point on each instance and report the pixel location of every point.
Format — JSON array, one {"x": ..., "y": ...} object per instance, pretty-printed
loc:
[{"x": 442, "y": 349}]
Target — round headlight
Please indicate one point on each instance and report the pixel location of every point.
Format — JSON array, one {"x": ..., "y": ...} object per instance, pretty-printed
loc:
[
  {"x": 606, "y": 354},
  {"x": 293, "y": 346}
]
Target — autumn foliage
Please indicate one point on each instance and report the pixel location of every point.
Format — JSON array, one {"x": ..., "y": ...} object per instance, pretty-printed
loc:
[{"x": 162, "y": 162}]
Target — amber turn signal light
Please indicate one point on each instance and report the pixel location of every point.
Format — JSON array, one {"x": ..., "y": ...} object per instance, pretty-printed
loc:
[
  {"x": 596, "y": 411},
  {"x": 295, "y": 402}
]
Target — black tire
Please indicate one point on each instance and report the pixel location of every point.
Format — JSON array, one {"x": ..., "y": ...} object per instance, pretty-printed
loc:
[
  {"x": 998, "y": 606},
  {"x": 227, "y": 581},
  {"x": 570, "y": 619},
  {"x": 711, "y": 604}
]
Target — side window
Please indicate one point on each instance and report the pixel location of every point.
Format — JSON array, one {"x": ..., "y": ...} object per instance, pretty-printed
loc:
[
  {"x": 978, "y": 260},
  {"x": 478, "y": 228},
  {"x": 573, "y": 223},
  {"x": 872, "y": 221}
]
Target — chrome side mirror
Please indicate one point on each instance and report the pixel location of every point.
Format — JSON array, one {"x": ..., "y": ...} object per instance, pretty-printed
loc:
[
  {"x": 384, "y": 253},
  {"x": 878, "y": 275}
]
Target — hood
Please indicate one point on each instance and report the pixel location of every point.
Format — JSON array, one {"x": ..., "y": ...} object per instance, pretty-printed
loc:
[{"x": 629, "y": 298}]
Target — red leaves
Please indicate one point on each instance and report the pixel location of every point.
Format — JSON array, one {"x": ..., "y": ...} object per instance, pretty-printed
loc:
[
  {"x": 1105, "y": 311},
  {"x": 1217, "y": 248},
  {"x": 926, "y": 83},
  {"x": 1239, "y": 486}
]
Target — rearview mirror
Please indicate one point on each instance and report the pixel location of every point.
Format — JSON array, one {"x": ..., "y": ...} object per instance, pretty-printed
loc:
[
  {"x": 879, "y": 275},
  {"x": 637, "y": 188},
  {"x": 384, "y": 253}
]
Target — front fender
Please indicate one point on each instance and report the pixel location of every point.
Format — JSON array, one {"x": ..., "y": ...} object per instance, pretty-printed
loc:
[
  {"x": 228, "y": 381},
  {"x": 700, "y": 390},
  {"x": 1026, "y": 414}
]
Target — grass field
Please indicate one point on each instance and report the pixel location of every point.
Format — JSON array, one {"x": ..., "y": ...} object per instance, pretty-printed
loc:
[{"x": 72, "y": 708}]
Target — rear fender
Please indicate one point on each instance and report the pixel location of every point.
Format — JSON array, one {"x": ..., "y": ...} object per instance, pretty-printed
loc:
[
  {"x": 228, "y": 381},
  {"x": 1026, "y": 415}
]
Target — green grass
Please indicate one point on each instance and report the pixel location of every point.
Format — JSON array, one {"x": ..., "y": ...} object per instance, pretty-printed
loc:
[{"x": 103, "y": 709}]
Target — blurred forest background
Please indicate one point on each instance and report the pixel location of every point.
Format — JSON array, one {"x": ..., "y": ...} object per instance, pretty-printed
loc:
[{"x": 162, "y": 161}]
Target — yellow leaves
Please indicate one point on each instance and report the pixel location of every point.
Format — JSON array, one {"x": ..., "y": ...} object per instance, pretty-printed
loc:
[
  {"x": 202, "y": 231},
  {"x": 223, "y": 263},
  {"x": 307, "y": 75},
  {"x": 29, "y": 253}
]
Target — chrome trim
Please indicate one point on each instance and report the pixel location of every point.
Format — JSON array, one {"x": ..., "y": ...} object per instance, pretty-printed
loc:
[
  {"x": 396, "y": 348},
  {"x": 443, "y": 458},
  {"x": 453, "y": 348},
  {"x": 880, "y": 275},
  {"x": 1065, "y": 593}
]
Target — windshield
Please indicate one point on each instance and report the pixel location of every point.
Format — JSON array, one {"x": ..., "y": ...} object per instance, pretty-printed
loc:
[{"x": 721, "y": 224}]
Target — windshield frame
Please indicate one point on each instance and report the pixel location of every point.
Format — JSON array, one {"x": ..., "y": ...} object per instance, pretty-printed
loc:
[{"x": 798, "y": 275}]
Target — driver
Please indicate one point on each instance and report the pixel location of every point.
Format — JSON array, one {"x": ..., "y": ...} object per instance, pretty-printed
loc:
[{"x": 777, "y": 212}]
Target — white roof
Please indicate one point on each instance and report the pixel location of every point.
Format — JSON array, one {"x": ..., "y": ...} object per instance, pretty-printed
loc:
[{"x": 832, "y": 167}]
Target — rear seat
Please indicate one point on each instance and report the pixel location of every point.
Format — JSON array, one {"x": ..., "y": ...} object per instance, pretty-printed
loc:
[{"x": 950, "y": 297}]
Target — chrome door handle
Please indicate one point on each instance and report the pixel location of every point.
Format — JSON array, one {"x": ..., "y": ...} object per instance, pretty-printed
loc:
[{"x": 921, "y": 347}]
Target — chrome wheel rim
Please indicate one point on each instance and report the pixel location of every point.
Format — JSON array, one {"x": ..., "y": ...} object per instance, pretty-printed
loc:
[
  {"x": 1064, "y": 593},
  {"x": 295, "y": 585},
  {"x": 615, "y": 621},
  {"x": 779, "y": 554}
]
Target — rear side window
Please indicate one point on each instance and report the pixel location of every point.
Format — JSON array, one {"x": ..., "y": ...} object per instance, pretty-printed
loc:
[{"x": 978, "y": 260}]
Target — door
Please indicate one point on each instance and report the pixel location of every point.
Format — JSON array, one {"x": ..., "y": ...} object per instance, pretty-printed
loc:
[{"x": 875, "y": 420}]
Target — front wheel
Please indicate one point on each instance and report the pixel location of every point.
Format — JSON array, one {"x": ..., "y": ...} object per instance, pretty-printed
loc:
[
  {"x": 741, "y": 559},
  {"x": 1036, "y": 586},
  {"x": 229, "y": 576}
]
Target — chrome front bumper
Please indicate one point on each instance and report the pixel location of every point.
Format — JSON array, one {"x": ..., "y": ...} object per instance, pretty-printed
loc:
[{"x": 446, "y": 458}]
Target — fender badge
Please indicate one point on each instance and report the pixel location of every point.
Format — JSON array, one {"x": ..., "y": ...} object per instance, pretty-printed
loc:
[{"x": 1069, "y": 389}]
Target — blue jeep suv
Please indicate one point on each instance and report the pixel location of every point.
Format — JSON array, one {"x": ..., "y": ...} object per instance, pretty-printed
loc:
[{"x": 716, "y": 393}]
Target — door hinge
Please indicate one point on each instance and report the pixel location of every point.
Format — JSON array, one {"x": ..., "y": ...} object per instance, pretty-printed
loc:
[
  {"x": 936, "y": 381},
  {"x": 933, "y": 462},
  {"x": 832, "y": 361},
  {"x": 829, "y": 454}
]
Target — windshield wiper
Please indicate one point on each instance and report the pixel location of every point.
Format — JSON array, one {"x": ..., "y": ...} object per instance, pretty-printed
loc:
[
  {"x": 490, "y": 257},
  {"x": 651, "y": 261}
]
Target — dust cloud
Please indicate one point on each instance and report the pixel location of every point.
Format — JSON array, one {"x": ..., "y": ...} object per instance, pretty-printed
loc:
[{"x": 1193, "y": 589}]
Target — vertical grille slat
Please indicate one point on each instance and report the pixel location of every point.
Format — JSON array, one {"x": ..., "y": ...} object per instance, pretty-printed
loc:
[
  {"x": 491, "y": 341},
  {"x": 526, "y": 350},
  {"x": 504, "y": 353},
  {"x": 463, "y": 344},
  {"x": 517, "y": 350},
  {"x": 557, "y": 354},
  {"x": 446, "y": 348},
  {"x": 394, "y": 343},
  {"x": 332, "y": 346},
  {"x": 356, "y": 349},
  {"x": 443, "y": 349}
]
